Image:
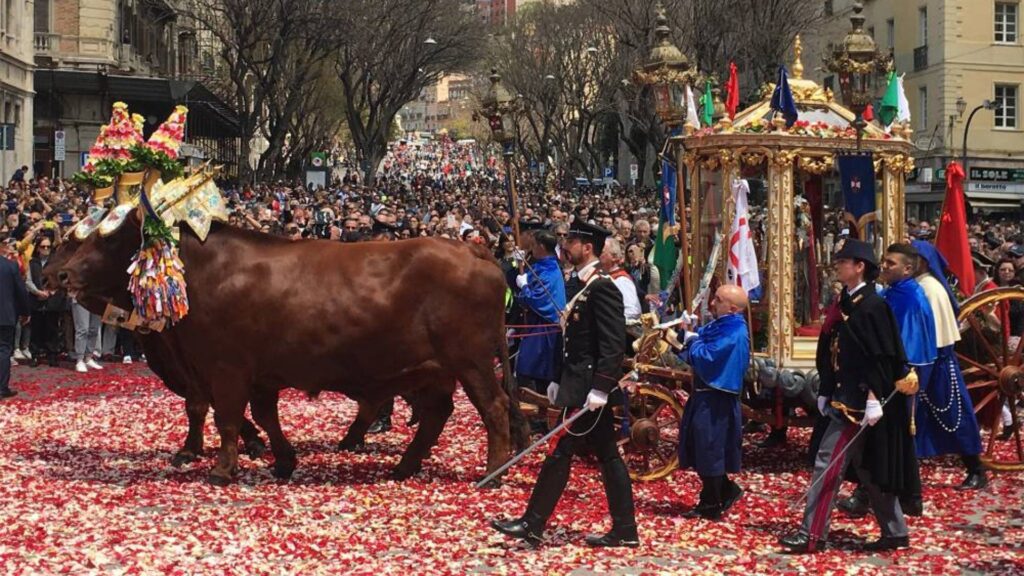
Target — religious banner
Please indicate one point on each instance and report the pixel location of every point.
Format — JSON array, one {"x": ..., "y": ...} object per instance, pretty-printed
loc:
[{"x": 857, "y": 173}]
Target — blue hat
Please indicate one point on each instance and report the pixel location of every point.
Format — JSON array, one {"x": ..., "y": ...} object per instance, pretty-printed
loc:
[
  {"x": 938, "y": 267},
  {"x": 854, "y": 249}
]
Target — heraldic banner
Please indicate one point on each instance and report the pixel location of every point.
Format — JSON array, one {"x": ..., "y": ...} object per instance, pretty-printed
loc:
[{"x": 857, "y": 173}]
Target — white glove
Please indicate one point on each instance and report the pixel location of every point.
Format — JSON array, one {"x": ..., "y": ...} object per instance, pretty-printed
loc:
[
  {"x": 688, "y": 337},
  {"x": 688, "y": 319},
  {"x": 596, "y": 400},
  {"x": 552, "y": 392},
  {"x": 872, "y": 413},
  {"x": 521, "y": 280},
  {"x": 518, "y": 255},
  {"x": 822, "y": 403}
]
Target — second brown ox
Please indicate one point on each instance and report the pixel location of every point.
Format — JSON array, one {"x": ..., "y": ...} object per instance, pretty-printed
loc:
[{"x": 370, "y": 320}]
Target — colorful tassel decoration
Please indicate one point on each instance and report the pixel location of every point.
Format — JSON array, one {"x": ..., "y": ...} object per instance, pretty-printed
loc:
[{"x": 157, "y": 276}]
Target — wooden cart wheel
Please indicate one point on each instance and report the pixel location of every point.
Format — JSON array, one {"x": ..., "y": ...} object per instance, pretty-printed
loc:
[
  {"x": 993, "y": 371},
  {"x": 651, "y": 446}
]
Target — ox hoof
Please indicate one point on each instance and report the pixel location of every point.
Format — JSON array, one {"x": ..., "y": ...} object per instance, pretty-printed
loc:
[
  {"x": 183, "y": 457},
  {"x": 283, "y": 470},
  {"x": 218, "y": 480},
  {"x": 403, "y": 472},
  {"x": 351, "y": 446},
  {"x": 255, "y": 448}
]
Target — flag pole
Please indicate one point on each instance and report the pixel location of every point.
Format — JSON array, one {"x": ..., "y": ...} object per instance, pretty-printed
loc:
[{"x": 685, "y": 289}]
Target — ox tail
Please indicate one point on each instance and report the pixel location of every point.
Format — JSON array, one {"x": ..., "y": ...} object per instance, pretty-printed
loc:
[{"x": 519, "y": 428}]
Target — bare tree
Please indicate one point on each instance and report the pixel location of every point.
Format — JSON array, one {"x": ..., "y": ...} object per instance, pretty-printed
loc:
[{"x": 389, "y": 51}]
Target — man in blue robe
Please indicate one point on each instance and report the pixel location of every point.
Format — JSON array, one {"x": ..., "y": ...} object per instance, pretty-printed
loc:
[
  {"x": 541, "y": 293},
  {"x": 945, "y": 413},
  {"x": 710, "y": 433}
]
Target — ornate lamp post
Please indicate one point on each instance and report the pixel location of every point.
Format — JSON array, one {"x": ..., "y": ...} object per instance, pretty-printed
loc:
[
  {"x": 858, "y": 62},
  {"x": 499, "y": 107},
  {"x": 985, "y": 105},
  {"x": 667, "y": 72}
]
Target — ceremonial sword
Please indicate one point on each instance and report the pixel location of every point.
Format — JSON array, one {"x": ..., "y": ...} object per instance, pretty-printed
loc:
[
  {"x": 565, "y": 424},
  {"x": 839, "y": 458}
]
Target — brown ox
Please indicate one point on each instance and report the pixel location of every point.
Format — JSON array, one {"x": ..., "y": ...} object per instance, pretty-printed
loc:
[
  {"x": 161, "y": 361},
  {"x": 370, "y": 320}
]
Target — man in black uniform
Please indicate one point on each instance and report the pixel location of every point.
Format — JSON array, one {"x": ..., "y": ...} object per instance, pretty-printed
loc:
[
  {"x": 595, "y": 328},
  {"x": 860, "y": 358}
]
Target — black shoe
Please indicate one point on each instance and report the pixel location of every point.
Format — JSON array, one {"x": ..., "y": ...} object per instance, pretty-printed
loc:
[
  {"x": 853, "y": 506},
  {"x": 1006, "y": 433},
  {"x": 753, "y": 427},
  {"x": 520, "y": 529},
  {"x": 705, "y": 511},
  {"x": 912, "y": 506},
  {"x": 799, "y": 542},
  {"x": 613, "y": 539},
  {"x": 974, "y": 481},
  {"x": 733, "y": 494},
  {"x": 775, "y": 439},
  {"x": 8, "y": 393},
  {"x": 887, "y": 543},
  {"x": 379, "y": 426}
]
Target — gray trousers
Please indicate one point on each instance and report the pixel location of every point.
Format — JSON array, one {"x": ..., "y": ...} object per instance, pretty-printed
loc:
[
  {"x": 87, "y": 328},
  {"x": 109, "y": 339},
  {"x": 825, "y": 486}
]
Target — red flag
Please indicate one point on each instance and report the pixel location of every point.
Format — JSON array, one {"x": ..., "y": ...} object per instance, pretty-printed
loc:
[
  {"x": 951, "y": 238},
  {"x": 732, "y": 99},
  {"x": 869, "y": 113}
]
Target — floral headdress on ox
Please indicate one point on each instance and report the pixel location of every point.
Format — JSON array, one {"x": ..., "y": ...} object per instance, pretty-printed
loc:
[{"x": 157, "y": 275}]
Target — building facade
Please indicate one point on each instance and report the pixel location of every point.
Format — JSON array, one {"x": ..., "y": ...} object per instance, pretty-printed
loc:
[
  {"x": 438, "y": 105},
  {"x": 92, "y": 53},
  {"x": 16, "y": 94},
  {"x": 954, "y": 50}
]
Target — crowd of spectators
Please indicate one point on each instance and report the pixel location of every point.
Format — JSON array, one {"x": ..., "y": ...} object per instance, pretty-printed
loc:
[{"x": 437, "y": 188}]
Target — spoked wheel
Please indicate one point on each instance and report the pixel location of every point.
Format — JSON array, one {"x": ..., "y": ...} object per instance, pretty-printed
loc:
[
  {"x": 993, "y": 371},
  {"x": 649, "y": 439}
]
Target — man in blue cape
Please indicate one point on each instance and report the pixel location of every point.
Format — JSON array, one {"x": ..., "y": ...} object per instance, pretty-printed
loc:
[
  {"x": 710, "y": 433},
  {"x": 541, "y": 293},
  {"x": 945, "y": 413}
]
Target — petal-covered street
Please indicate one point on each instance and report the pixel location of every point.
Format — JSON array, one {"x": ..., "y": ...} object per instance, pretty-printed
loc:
[{"x": 86, "y": 487}]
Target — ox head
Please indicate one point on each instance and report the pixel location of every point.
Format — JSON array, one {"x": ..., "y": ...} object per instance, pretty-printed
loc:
[
  {"x": 51, "y": 272},
  {"x": 98, "y": 268}
]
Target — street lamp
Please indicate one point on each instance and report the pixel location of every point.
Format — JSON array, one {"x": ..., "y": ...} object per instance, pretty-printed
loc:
[
  {"x": 667, "y": 73},
  {"x": 986, "y": 105},
  {"x": 961, "y": 107},
  {"x": 499, "y": 107},
  {"x": 857, "y": 61}
]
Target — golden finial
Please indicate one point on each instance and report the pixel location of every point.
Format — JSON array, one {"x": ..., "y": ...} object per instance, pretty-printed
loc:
[{"x": 798, "y": 65}]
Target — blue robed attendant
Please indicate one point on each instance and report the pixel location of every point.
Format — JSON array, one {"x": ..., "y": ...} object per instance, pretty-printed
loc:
[
  {"x": 915, "y": 320},
  {"x": 945, "y": 413},
  {"x": 541, "y": 293},
  {"x": 710, "y": 433}
]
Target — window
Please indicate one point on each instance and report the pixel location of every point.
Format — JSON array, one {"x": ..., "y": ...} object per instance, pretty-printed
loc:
[
  {"x": 1006, "y": 22},
  {"x": 890, "y": 32},
  {"x": 1006, "y": 114},
  {"x": 922, "y": 108},
  {"x": 922, "y": 26},
  {"x": 829, "y": 9},
  {"x": 871, "y": 31}
]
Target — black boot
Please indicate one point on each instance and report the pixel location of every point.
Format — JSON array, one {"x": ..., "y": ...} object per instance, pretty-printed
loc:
[
  {"x": 731, "y": 493},
  {"x": 776, "y": 438},
  {"x": 380, "y": 425},
  {"x": 618, "y": 489},
  {"x": 529, "y": 527},
  {"x": 709, "y": 506},
  {"x": 856, "y": 505},
  {"x": 976, "y": 478}
]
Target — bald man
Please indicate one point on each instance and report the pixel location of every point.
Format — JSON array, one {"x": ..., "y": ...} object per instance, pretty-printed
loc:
[{"x": 710, "y": 433}]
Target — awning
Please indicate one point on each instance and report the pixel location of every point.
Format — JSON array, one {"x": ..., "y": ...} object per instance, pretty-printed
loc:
[{"x": 209, "y": 116}]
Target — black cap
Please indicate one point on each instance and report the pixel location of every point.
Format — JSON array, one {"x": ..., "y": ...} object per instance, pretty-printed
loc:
[
  {"x": 980, "y": 260},
  {"x": 589, "y": 233},
  {"x": 380, "y": 227},
  {"x": 1016, "y": 251},
  {"x": 856, "y": 250},
  {"x": 527, "y": 225}
]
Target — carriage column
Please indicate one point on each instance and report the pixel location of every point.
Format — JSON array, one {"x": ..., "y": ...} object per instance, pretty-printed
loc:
[{"x": 780, "y": 253}]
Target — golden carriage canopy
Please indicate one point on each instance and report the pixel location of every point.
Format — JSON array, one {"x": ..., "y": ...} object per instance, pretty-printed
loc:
[{"x": 795, "y": 205}]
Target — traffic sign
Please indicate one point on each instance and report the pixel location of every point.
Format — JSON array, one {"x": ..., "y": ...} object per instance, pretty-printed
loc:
[
  {"x": 634, "y": 172},
  {"x": 608, "y": 171},
  {"x": 59, "y": 147}
]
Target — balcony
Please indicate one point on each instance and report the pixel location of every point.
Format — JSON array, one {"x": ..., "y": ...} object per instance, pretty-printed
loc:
[
  {"x": 46, "y": 43},
  {"x": 920, "y": 58}
]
